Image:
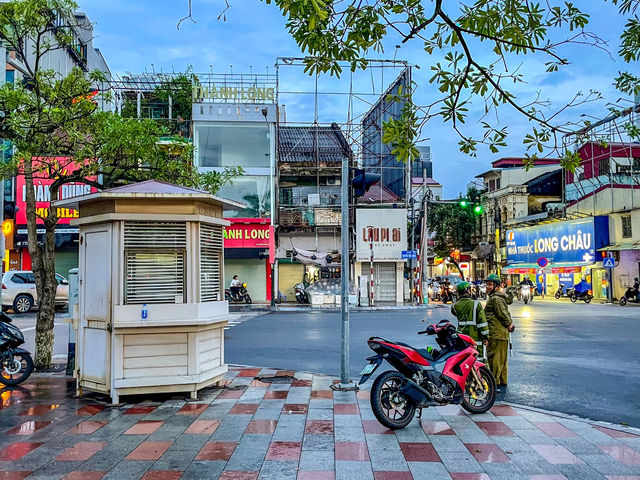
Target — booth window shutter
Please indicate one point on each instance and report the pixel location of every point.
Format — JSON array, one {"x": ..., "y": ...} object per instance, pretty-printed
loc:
[
  {"x": 210, "y": 262},
  {"x": 155, "y": 262}
]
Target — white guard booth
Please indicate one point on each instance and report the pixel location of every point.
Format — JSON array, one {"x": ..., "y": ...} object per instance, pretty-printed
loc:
[{"x": 152, "y": 312}]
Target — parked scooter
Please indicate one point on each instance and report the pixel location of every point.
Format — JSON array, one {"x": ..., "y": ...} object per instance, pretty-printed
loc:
[
  {"x": 242, "y": 295},
  {"x": 424, "y": 378},
  {"x": 561, "y": 292},
  {"x": 301, "y": 294},
  {"x": 631, "y": 295},
  {"x": 16, "y": 363}
]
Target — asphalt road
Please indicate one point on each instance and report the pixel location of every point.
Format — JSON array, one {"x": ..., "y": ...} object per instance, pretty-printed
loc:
[
  {"x": 573, "y": 358},
  {"x": 578, "y": 359},
  {"x": 27, "y": 323}
]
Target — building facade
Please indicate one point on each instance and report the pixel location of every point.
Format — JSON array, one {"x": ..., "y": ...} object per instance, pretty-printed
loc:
[
  {"x": 234, "y": 125},
  {"x": 310, "y": 160},
  {"x": 512, "y": 195}
]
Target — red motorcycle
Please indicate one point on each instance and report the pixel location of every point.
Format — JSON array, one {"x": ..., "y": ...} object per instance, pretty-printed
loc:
[{"x": 423, "y": 378}]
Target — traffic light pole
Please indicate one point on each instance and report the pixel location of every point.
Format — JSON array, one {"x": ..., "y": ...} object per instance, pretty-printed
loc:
[{"x": 344, "y": 298}]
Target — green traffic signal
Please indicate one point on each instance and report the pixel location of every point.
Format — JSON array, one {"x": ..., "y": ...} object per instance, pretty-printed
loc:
[
  {"x": 478, "y": 209},
  {"x": 463, "y": 203}
]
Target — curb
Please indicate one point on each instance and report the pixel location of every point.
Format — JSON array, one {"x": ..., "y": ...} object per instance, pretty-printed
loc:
[{"x": 599, "y": 423}]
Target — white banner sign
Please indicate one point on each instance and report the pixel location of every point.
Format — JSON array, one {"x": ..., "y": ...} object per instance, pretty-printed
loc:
[{"x": 386, "y": 229}]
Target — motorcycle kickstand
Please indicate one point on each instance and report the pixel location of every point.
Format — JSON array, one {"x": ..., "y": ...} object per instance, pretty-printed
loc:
[{"x": 419, "y": 413}]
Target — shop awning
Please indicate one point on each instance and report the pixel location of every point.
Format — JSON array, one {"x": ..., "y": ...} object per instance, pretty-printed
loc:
[
  {"x": 526, "y": 269},
  {"x": 523, "y": 269},
  {"x": 621, "y": 246},
  {"x": 483, "y": 252}
]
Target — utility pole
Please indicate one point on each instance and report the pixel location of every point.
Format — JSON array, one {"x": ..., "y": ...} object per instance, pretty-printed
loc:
[{"x": 344, "y": 298}]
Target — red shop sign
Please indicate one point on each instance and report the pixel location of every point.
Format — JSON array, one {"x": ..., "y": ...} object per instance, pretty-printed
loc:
[
  {"x": 247, "y": 233},
  {"x": 41, "y": 183},
  {"x": 566, "y": 270}
]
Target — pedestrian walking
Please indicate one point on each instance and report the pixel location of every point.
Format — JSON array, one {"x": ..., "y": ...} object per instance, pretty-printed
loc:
[
  {"x": 500, "y": 326},
  {"x": 471, "y": 318}
]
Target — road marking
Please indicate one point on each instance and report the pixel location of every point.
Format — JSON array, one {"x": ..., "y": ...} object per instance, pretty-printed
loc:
[{"x": 28, "y": 329}]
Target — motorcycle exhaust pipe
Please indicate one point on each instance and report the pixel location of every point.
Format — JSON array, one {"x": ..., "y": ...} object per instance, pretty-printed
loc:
[{"x": 415, "y": 392}]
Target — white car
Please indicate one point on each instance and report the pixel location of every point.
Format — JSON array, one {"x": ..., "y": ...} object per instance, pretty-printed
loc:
[{"x": 19, "y": 291}]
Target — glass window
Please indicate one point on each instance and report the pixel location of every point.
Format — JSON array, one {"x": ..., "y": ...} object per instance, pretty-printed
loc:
[
  {"x": 19, "y": 278},
  {"x": 626, "y": 227},
  {"x": 221, "y": 144},
  {"x": 253, "y": 191}
]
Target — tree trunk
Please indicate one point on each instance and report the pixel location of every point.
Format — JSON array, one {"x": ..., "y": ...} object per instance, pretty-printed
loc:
[{"x": 43, "y": 266}]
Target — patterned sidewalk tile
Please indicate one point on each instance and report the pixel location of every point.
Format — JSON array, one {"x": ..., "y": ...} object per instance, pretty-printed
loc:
[{"x": 296, "y": 427}]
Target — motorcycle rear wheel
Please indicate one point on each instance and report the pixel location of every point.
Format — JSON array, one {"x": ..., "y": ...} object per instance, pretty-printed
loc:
[
  {"x": 487, "y": 397},
  {"x": 391, "y": 408},
  {"x": 588, "y": 299},
  {"x": 573, "y": 298},
  {"x": 19, "y": 371}
]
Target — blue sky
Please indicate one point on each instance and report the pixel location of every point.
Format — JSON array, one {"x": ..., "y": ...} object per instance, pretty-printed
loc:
[{"x": 142, "y": 34}]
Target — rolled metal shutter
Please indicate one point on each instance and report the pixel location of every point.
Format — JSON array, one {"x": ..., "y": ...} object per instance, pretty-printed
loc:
[
  {"x": 155, "y": 262},
  {"x": 210, "y": 262}
]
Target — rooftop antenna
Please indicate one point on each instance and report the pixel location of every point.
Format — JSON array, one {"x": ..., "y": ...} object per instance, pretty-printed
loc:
[
  {"x": 153, "y": 68},
  {"x": 211, "y": 68},
  {"x": 250, "y": 69}
]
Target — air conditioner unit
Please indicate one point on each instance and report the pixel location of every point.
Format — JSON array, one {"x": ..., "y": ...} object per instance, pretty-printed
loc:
[{"x": 333, "y": 181}]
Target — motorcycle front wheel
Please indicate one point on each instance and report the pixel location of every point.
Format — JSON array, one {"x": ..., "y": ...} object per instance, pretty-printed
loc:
[
  {"x": 479, "y": 398},
  {"x": 525, "y": 300},
  {"x": 573, "y": 298},
  {"x": 247, "y": 299},
  {"x": 623, "y": 301},
  {"x": 390, "y": 407},
  {"x": 17, "y": 370},
  {"x": 558, "y": 295}
]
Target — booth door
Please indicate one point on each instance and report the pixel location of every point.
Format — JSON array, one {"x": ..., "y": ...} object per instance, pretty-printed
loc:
[{"x": 95, "y": 304}]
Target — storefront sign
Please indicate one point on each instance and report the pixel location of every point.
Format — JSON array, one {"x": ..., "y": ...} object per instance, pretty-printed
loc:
[
  {"x": 242, "y": 234},
  {"x": 573, "y": 241},
  {"x": 383, "y": 229},
  {"x": 41, "y": 186},
  {"x": 238, "y": 93}
]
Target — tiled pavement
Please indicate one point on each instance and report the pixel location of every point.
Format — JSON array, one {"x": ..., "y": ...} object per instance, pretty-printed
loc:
[{"x": 292, "y": 428}]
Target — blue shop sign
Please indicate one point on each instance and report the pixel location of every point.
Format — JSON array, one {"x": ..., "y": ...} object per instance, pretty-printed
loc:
[{"x": 573, "y": 241}]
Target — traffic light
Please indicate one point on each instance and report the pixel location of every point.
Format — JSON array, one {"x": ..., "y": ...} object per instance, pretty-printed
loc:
[
  {"x": 7, "y": 228},
  {"x": 477, "y": 208},
  {"x": 362, "y": 180},
  {"x": 6, "y": 239}
]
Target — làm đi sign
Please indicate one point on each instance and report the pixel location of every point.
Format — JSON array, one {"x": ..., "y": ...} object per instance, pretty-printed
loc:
[
  {"x": 247, "y": 233},
  {"x": 573, "y": 241},
  {"x": 238, "y": 93},
  {"x": 384, "y": 229}
]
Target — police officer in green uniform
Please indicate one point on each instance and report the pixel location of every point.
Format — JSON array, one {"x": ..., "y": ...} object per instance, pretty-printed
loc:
[
  {"x": 471, "y": 318},
  {"x": 500, "y": 325}
]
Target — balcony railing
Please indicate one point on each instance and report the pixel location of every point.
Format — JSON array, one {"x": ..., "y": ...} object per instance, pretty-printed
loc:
[{"x": 309, "y": 216}]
